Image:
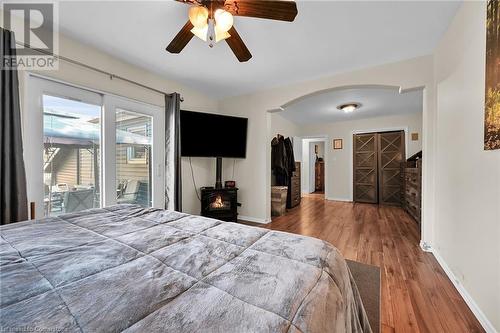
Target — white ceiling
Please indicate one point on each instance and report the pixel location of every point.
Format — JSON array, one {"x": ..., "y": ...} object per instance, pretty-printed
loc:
[
  {"x": 327, "y": 37},
  {"x": 375, "y": 102}
]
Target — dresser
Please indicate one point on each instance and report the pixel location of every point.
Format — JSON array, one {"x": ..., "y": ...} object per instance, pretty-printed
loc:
[
  {"x": 295, "y": 186},
  {"x": 319, "y": 176},
  {"x": 411, "y": 191}
]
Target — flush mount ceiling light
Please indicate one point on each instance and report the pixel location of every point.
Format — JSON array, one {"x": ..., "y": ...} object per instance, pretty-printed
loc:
[
  {"x": 349, "y": 107},
  {"x": 212, "y": 21}
]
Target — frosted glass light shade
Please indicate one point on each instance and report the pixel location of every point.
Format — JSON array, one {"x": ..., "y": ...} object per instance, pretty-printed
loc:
[
  {"x": 221, "y": 35},
  {"x": 198, "y": 16},
  {"x": 349, "y": 108},
  {"x": 223, "y": 20},
  {"x": 201, "y": 32}
]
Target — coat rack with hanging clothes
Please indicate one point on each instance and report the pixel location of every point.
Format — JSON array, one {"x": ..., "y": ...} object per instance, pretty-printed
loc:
[{"x": 283, "y": 163}]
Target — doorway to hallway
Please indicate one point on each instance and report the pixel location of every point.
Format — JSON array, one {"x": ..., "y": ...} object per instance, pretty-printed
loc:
[{"x": 314, "y": 166}]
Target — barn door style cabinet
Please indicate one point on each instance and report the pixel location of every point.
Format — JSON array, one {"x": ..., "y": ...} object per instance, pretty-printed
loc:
[{"x": 377, "y": 161}]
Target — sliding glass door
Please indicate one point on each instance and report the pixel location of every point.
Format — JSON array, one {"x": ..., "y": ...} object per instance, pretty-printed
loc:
[
  {"x": 135, "y": 155},
  {"x": 86, "y": 149}
]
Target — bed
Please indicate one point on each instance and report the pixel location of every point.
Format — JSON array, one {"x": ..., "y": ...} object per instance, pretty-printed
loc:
[{"x": 127, "y": 268}]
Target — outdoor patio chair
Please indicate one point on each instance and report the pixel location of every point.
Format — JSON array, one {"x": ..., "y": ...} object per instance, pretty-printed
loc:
[
  {"x": 75, "y": 201},
  {"x": 130, "y": 193}
]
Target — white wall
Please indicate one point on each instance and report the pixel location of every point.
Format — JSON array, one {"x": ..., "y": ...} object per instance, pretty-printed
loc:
[
  {"x": 193, "y": 100},
  {"x": 304, "y": 172},
  {"x": 297, "y": 148},
  {"x": 467, "y": 235},
  {"x": 283, "y": 126},
  {"x": 312, "y": 160},
  {"x": 338, "y": 167},
  {"x": 204, "y": 175}
]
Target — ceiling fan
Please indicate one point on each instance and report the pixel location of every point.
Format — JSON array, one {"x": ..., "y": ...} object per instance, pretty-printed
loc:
[{"x": 212, "y": 21}]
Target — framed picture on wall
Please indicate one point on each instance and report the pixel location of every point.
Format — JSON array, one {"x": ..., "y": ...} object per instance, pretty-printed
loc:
[
  {"x": 492, "y": 93},
  {"x": 337, "y": 144}
]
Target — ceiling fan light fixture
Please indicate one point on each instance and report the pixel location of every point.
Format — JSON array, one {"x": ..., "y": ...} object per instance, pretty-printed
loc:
[
  {"x": 198, "y": 16},
  {"x": 349, "y": 107},
  {"x": 223, "y": 20},
  {"x": 212, "y": 21},
  {"x": 221, "y": 35},
  {"x": 210, "y": 29},
  {"x": 201, "y": 33}
]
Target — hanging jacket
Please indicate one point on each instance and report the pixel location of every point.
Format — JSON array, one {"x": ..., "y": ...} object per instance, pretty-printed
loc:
[
  {"x": 290, "y": 166},
  {"x": 279, "y": 163},
  {"x": 290, "y": 159}
]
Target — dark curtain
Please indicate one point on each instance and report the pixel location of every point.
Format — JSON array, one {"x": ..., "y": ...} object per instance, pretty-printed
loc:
[
  {"x": 14, "y": 203},
  {"x": 173, "y": 181}
]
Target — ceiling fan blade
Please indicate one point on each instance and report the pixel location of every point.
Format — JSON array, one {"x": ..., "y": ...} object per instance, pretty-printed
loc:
[
  {"x": 236, "y": 44},
  {"x": 181, "y": 39},
  {"x": 266, "y": 9}
]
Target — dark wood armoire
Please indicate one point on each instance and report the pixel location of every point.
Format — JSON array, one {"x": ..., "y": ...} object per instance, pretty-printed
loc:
[
  {"x": 319, "y": 176},
  {"x": 377, "y": 161}
]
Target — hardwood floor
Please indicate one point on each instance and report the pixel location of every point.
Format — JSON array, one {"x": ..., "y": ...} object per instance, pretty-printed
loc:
[{"x": 417, "y": 296}]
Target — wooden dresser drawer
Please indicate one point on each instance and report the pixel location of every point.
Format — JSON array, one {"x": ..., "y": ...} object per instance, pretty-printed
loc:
[
  {"x": 412, "y": 190},
  {"x": 295, "y": 186}
]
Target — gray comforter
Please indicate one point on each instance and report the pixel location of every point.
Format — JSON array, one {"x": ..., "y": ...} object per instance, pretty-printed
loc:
[{"x": 126, "y": 268}]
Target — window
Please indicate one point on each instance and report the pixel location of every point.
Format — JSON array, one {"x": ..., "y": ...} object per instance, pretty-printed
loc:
[{"x": 71, "y": 155}]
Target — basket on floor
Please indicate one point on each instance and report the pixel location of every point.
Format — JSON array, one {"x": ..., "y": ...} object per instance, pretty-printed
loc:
[{"x": 278, "y": 200}]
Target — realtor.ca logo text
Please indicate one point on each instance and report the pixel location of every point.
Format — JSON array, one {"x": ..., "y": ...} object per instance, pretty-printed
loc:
[{"x": 36, "y": 42}]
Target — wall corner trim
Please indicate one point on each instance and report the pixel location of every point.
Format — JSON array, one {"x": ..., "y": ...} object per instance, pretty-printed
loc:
[
  {"x": 425, "y": 246},
  {"x": 254, "y": 219},
  {"x": 480, "y": 316}
]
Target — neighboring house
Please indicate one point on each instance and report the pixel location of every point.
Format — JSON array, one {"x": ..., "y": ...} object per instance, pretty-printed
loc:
[{"x": 74, "y": 164}]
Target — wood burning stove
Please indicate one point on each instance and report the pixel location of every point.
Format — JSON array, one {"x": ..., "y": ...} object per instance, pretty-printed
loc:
[{"x": 219, "y": 203}]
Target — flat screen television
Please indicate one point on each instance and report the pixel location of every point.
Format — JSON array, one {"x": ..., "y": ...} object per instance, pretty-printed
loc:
[{"x": 212, "y": 135}]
